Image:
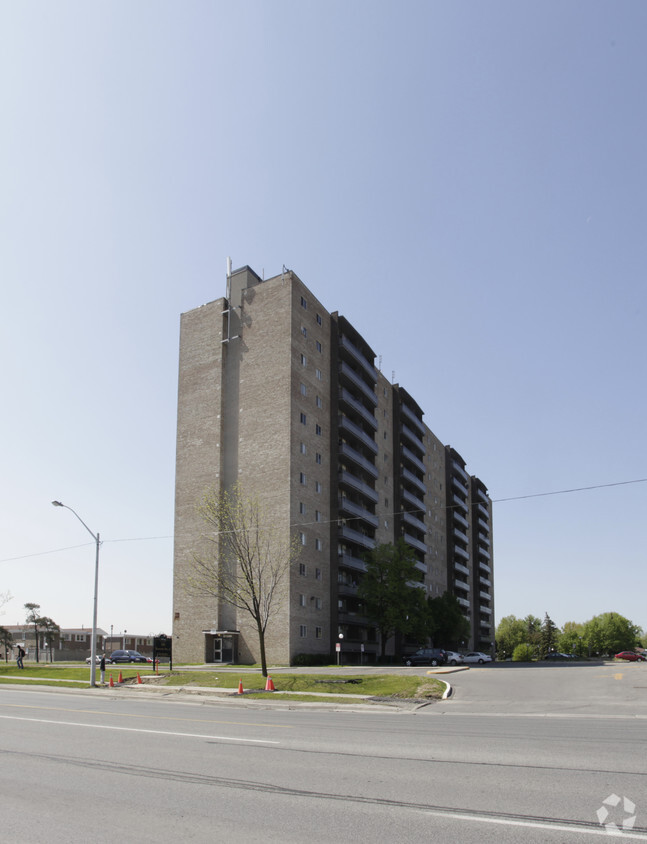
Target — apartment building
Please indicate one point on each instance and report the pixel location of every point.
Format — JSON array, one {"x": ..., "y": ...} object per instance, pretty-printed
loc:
[{"x": 284, "y": 398}]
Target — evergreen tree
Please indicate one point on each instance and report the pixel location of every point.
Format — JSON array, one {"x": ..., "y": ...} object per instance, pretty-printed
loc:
[{"x": 548, "y": 636}]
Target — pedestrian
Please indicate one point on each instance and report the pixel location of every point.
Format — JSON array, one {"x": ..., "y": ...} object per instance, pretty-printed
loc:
[
  {"x": 102, "y": 669},
  {"x": 21, "y": 654}
]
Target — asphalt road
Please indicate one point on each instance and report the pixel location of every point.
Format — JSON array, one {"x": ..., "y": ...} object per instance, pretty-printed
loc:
[{"x": 519, "y": 754}]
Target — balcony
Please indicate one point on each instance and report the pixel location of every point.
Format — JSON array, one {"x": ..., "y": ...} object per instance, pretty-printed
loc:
[
  {"x": 415, "y": 543},
  {"x": 351, "y": 562},
  {"x": 484, "y": 496},
  {"x": 460, "y": 584},
  {"x": 350, "y": 535},
  {"x": 353, "y": 509},
  {"x": 410, "y": 498},
  {"x": 366, "y": 465},
  {"x": 411, "y": 416},
  {"x": 347, "y": 397},
  {"x": 485, "y": 596},
  {"x": 422, "y": 568},
  {"x": 347, "y": 478},
  {"x": 458, "y": 517},
  {"x": 485, "y": 610},
  {"x": 358, "y": 382},
  {"x": 483, "y": 539},
  {"x": 484, "y": 553},
  {"x": 409, "y": 476},
  {"x": 463, "y": 602},
  {"x": 461, "y": 552},
  {"x": 484, "y": 567},
  {"x": 461, "y": 568},
  {"x": 484, "y": 525},
  {"x": 460, "y": 535},
  {"x": 485, "y": 581},
  {"x": 407, "y": 454},
  {"x": 413, "y": 438},
  {"x": 414, "y": 521},
  {"x": 355, "y": 353},
  {"x": 485, "y": 623},
  {"x": 460, "y": 486},
  {"x": 345, "y": 424},
  {"x": 456, "y": 466},
  {"x": 460, "y": 504},
  {"x": 483, "y": 510}
]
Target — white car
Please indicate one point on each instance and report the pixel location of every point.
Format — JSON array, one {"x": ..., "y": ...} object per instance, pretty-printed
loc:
[
  {"x": 477, "y": 656},
  {"x": 454, "y": 658}
]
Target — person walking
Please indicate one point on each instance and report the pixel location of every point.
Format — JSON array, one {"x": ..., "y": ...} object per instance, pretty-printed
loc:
[
  {"x": 102, "y": 669},
  {"x": 20, "y": 656}
]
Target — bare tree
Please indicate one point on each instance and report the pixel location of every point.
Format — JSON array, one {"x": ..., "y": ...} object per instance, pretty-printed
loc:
[
  {"x": 4, "y": 597},
  {"x": 6, "y": 641},
  {"x": 248, "y": 561},
  {"x": 52, "y": 632}
]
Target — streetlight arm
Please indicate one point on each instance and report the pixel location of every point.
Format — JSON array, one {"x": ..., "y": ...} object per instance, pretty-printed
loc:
[{"x": 67, "y": 507}]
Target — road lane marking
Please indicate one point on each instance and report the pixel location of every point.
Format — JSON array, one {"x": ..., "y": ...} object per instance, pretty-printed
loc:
[
  {"x": 137, "y": 730},
  {"x": 147, "y": 717},
  {"x": 557, "y": 827}
]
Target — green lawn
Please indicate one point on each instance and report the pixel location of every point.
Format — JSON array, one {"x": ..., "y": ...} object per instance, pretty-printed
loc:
[{"x": 75, "y": 675}]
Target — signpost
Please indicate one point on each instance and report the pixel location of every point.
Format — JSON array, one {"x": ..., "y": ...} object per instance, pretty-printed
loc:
[{"x": 163, "y": 646}]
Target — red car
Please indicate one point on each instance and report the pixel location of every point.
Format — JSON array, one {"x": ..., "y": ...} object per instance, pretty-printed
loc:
[{"x": 630, "y": 656}]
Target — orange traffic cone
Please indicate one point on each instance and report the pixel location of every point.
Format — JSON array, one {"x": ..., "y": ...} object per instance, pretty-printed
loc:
[
  {"x": 269, "y": 686},
  {"x": 121, "y": 679},
  {"x": 240, "y": 688},
  {"x": 139, "y": 679},
  {"x": 112, "y": 682}
]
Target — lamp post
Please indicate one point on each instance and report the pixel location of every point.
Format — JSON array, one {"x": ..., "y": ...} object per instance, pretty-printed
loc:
[{"x": 93, "y": 648}]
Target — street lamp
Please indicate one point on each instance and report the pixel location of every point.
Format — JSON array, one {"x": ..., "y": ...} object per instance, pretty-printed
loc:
[{"x": 93, "y": 649}]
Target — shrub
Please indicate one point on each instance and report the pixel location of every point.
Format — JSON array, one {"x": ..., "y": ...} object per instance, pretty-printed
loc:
[
  {"x": 523, "y": 653},
  {"x": 312, "y": 659}
]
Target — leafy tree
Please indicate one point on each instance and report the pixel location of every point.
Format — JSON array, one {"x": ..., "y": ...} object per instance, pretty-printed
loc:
[
  {"x": 6, "y": 641},
  {"x": 390, "y": 600},
  {"x": 248, "y": 561},
  {"x": 548, "y": 636},
  {"x": 511, "y": 631},
  {"x": 534, "y": 627},
  {"x": 523, "y": 653},
  {"x": 448, "y": 626},
  {"x": 33, "y": 618},
  {"x": 570, "y": 640},
  {"x": 51, "y": 630},
  {"x": 613, "y": 632}
]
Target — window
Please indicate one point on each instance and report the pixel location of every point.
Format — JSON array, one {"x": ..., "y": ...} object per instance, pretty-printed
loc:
[
  {"x": 303, "y": 419},
  {"x": 304, "y": 331},
  {"x": 304, "y": 360},
  {"x": 317, "y": 486},
  {"x": 318, "y": 632},
  {"x": 302, "y": 537},
  {"x": 302, "y": 478},
  {"x": 302, "y": 448},
  {"x": 304, "y": 304},
  {"x": 80, "y": 637},
  {"x": 319, "y": 320},
  {"x": 303, "y": 631},
  {"x": 318, "y": 603},
  {"x": 318, "y": 545},
  {"x": 302, "y": 508},
  {"x": 317, "y": 515},
  {"x": 318, "y": 458},
  {"x": 317, "y": 574},
  {"x": 302, "y": 569},
  {"x": 318, "y": 401},
  {"x": 304, "y": 390},
  {"x": 318, "y": 374},
  {"x": 318, "y": 345},
  {"x": 302, "y": 600},
  {"x": 318, "y": 430}
]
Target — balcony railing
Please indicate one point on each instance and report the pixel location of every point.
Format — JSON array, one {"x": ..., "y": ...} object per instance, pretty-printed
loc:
[
  {"x": 456, "y": 466},
  {"x": 411, "y": 416},
  {"x": 410, "y": 498},
  {"x": 351, "y": 535},
  {"x": 413, "y": 438},
  {"x": 352, "y": 562},
  {"x": 409, "y": 476},
  {"x": 460, "y": 535},
  {"x": 349, "y": 346},
  {"x": 460, "y": 584},
  {"x": 358, "y": 381},
  {"x": 347, "y": 397},
  {"x": 346, "y": 477},
  {"x": 347, "y": 424},
  {"x": 461, "y": 552},
  {"x": 461, "y": 568},
  {"x": 463, "y": 602},
  {"x": 414, "y": 521},
  {"x": 415, "y": 543},
  {"x": 350, "y": 507},
  {"x": 484, "y": 567},
  {"x": 350, "y": 453},
  {"x": 460, "y": 518},
  {"x": 460, "y": 486},
  {"x": 411, "y": 457},
  {"x": 484, "y": 553},
  {"x": 460, "y": 504}
]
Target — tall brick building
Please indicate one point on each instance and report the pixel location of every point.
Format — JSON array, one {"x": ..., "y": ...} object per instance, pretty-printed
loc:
[{"x": 283, "y": 397}]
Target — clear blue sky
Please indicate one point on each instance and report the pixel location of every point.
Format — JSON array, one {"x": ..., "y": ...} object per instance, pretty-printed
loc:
[{"x": 466, "y": 182}]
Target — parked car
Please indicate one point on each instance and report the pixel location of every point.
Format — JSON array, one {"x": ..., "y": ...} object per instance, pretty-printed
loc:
[
  {"x": 555, "y": 655},
  {"x": 427, "y": 656},
  {"x": 88, "y": 659},
  {"x": 477, "y": 656},
  {"x": 129, "y": 656},
  {"x": 630, "y": 656},
  {"x": 454, "y": 658}
]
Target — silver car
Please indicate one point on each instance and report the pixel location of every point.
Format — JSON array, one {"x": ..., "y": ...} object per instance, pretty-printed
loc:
[
  {"x": 477, "y": 656},
  {"x": 454, "y": 658}
]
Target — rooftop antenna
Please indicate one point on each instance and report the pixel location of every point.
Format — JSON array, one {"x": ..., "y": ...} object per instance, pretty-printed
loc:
[
  {"x": 393, "y": 376},
  {"x": 379, "y": 363}
]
